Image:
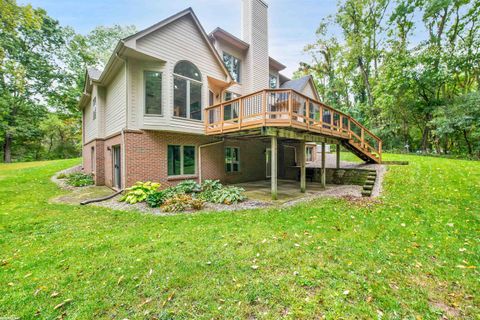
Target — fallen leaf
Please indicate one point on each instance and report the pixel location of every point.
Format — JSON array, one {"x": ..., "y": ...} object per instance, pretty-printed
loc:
[
  {"x": 54, "y": 294},
  {"x": 254, "y": 267},
  {"x": 145, "y": 302},
  {"x": 60, "y": 305},
  {"x": 120, "y": 279},
  {"x": 346, "y": 292}
]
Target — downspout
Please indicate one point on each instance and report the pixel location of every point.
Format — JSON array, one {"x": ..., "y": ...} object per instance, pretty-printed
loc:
[
  {"x": 124, "y": 158},
  {"x": 200, "y": 156}
]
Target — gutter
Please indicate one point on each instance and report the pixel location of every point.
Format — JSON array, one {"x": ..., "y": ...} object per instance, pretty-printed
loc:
[{"x": 200, "y": 156}]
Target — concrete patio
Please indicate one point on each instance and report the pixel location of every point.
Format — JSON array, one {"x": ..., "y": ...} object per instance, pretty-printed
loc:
[{"x": 289, "y": 190}]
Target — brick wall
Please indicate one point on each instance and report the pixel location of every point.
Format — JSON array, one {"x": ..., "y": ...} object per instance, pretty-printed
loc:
[
  {"x": 146, "y": 158},
  {"x": 98, "y": 168}
]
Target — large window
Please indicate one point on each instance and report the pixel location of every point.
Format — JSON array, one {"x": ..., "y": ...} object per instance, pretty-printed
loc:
[
  {"x": 273, "y": 82},
  {"x": 187, "y": 93},
  {"x": 153, "y": 92},
  {"x": 232, "y": 159},
  {"x": 181, "y": 160},
  {"x": 233, "y": 65}
]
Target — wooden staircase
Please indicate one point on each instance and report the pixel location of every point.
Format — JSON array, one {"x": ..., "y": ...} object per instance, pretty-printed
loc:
[{"x": 362, "y": 153}]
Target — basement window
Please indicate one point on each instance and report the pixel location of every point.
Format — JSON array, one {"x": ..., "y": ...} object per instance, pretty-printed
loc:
[
  {"x": 181, "y": 160},
  {"x": 232, "y": 159}
]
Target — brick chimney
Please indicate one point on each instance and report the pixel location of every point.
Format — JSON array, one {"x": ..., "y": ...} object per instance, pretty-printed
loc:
[{"x": 255, "y": 33}]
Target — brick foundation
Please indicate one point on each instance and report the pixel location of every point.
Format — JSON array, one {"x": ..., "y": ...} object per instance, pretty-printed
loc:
[{"x": 144, "y": 158}]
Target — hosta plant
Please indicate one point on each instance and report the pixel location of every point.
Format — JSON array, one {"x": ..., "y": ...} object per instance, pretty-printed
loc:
[
  {"x": 188, "y": 186},
  {"x": 139, "y": 192},
  {"x": 228, "y": 195},
  {"x": 79, "y": 179}
]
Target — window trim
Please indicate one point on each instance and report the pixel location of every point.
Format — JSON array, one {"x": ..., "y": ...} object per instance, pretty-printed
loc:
[
  {"x": 233, "y": 162},
  {"x": 145, "y": 94},
  {"x": 189, "y": 80},
  {"x": 239, "y": 66},
  {"x": 270, "y": 76},
  {"x": 182, "y": 174},
  {"x": 94, "y": 108},
  {"x": 312, "y": 148}
]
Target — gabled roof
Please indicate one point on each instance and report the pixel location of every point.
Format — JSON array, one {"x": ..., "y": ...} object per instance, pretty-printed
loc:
[
  {"x": 226, "y": 36},
  {"x": 219, "y": 33},
  {"x": 300, "y": 84},
  {"x": 189, "y": 11},
  {"x": 297, "y": 84},
  {"x": 94, "y": 73}
]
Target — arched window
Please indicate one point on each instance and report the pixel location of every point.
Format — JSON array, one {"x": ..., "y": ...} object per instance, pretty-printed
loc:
[{"x": 187, "y": 92}]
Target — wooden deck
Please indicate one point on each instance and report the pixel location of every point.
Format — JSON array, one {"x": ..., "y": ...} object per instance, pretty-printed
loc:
[{"x": 292, "y": 110}]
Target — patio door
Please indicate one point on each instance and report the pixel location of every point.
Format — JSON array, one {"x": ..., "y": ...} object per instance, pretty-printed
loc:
[
  {"x": 268, "y": 163},
  {"x": 117, "y": 170}
]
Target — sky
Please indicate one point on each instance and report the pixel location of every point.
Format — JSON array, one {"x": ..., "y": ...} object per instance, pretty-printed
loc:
[{"x": 292, "y": 23}]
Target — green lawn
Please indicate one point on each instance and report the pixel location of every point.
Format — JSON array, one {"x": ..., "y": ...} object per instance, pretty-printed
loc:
[{"x": 413, "y": 255}]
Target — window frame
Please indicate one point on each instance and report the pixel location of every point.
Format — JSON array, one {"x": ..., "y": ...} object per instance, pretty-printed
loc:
[
  {"x": 271, "y": 76},
  {"x": 182, "y": 161},
  {"x": 94, "y": 108},
  {"x": 239, "y": 73},
  {"x": 145, "y": 94},
  {"x": 312, "y": 150},
  {"x": 188, "y": 93},
  {"x": 232, "y": 162}
]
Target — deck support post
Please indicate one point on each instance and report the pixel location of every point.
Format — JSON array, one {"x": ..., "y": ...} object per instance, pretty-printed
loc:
[
  {"x": 273, "y": 174},
  {"x": 338, "y": 155},
  {"x": 303, "y": 173},
  {"x": 324, "y": 170}
]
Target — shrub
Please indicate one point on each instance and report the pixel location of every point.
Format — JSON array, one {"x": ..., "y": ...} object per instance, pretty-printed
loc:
[
  {"x": 79, "y": 179},
  {"x": 182, "y": 202},
  {"x": 188, "y": 186},
  {"x": 156, "y": 199},
  {"x": 228, "y": 195},
  {"x": 208, "y": 187},
  {"x": 139, "y": 192},
  {"x": 211, "y": 185}
]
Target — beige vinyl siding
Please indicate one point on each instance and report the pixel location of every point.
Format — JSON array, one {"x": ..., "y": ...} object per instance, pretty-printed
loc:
[
  {"x": 222, "y": 47},
  {"x": 90, "y": 125},
  {"x": 115, "y": 109},
  {"x": 180, "y": 40},
  {"x": 255, "y": 32},
  {"x": 309, "y": 91}
]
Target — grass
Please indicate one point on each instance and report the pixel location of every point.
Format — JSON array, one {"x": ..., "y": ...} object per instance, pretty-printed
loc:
[{"x": 414, "y": 254}]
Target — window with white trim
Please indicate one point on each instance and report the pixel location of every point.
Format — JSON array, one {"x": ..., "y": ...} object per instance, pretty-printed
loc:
[
  {"x": 233, "y": 65},
  {"x": 187, "y": 91},
  {"x": 181, "y": 160},
  {"x": 153, "y": 92},
  {"x": 232, "y": 159},
  {"x": 273, "y": 81}
]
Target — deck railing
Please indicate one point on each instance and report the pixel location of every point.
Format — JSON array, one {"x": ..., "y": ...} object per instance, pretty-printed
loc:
[{"x": 288, "y": 108}]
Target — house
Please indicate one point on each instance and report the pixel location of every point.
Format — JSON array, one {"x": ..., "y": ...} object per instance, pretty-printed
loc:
[{"x": 176, "y": 103}]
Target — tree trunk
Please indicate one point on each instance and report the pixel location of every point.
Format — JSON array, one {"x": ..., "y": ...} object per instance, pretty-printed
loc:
[
  {"x": 425, "y": 133},
  {"x": 7, "y": 148},
  {"x": 469, "y": 145}
]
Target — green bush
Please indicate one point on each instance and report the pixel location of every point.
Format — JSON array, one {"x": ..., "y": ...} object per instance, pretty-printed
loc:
[
  {"x": 79, "y": 179},
  {"x": 228, "y": 195},
  {"x": 188, "y": 186},
  {"x": 155, "y": 199},
  {"x": 208, "y": 187},
  {"x": 182, "y": 202},
  {"x": 139, "y": 192}
]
